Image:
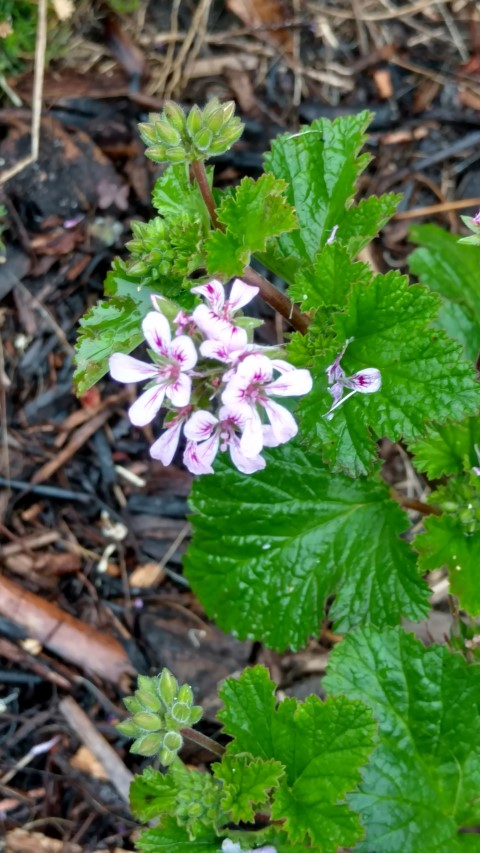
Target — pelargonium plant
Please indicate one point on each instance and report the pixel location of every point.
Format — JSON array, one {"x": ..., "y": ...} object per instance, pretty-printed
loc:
[{"x": 294, "y": 524}]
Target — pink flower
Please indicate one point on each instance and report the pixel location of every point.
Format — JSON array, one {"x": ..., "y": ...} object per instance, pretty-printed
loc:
[
  {"x": 365, "y": 381},
  {"x": 164, "y": 447},
  {"x": 476, "y": 468},
  {"x": 476, "y": 218},
  {"x": 251, "y": 387},
  {"x": 207, "y": 435},
  {"x": 215, "y": 319},
  {"x": 169, "y": 374}
]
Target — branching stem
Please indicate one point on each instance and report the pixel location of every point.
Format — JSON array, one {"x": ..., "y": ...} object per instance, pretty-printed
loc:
[
  {"x": 277, "y": 300},
  {"x": 204, "y": 741}
]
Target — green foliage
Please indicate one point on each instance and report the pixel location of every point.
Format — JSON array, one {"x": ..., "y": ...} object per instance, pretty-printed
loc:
[
  {"x": 269, "y": 550},
  {"x": 313, "y": 740},
  {"x": 447, "y": 543},
  {"x": 448, "y": 449},
  {"x": 254, "y": 213},
  {"x": 424, "y": 376},
  {"x": 451, "y": 270},
  {"x": 329, "y": 280},
  {"x": 422, "y": 782},
  {"x": 247, "y": 782}
]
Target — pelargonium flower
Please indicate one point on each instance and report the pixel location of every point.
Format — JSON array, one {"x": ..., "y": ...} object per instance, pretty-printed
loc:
[
  {"x": 215, "y": 319},
  {"x": 207, "y": 435},
  {"x": 251, "y": 389},
  {"x": 169, "y": 373},
  {"x": 365, "y": 381},
  {"x": 476, "y": 218},
  {"x": 164, "y": 447},
  {"x": 476, "y": 468}
]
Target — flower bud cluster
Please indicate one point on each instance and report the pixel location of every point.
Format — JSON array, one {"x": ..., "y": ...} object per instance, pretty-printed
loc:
[
  {"x": 218, "y": 387},
  {"x": 160, "y": 709},
  {"x": 172, "y": 136}
]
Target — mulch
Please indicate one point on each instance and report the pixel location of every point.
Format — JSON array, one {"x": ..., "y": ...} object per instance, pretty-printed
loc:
[{"x": 92, "y": 531}]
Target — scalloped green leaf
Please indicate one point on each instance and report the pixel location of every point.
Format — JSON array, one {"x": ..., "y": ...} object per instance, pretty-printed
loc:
[
  {"x": 450, "y": 269},
  {"x": 269, "y": 549},
  {"x": 322, "y": 745},
  {"x": 255, "y": 212},
  {"x": 329, "y": 280},
  {"x": 424, "y": 376},
  {"x": 446, "y": 543},
  {"x": 422, "y": 783},
  {"x": 247, "y": 782},
  {"x": 110, "y": 326},
  {"x": 448, "y": 448},
  {"x": 175, "y": 839},
  {"x": 151, "y": 794}
]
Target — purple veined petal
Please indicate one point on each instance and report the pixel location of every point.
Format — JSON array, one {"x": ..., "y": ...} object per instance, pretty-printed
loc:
[
  {"x": 269, "y": 437},
  {"x": 251, "y": 442},
  {"x": 156, "y": 331},
  {"x": 180, "y": 391},
  {"x": 255, "y": 368},
  {"x": 182, "y": 349},
  {"x": 216, "y": 350},
  {"x": 235, "y": 392},
  {"x": 283, "y": 423},
  {"x": 198, "y": 458},
  {"x": 476, "y": 218},
  {"x": 336, "y": 390},
  {"x": 200, "y": 425},
  {"x": 214, "y": 293},
  {"x": 241, "y": 294},
  {"x": 295, "y": 383},
  {"x": 334, "y": 371},
  {"x": 125, "y": 368},
  {"x": 164, "y": 447},
  {"x": 365, "y": 381},
  {"x": 282, "y": 366},
  {"x": 235, "y": 416},
  {"x": 244, "y": 464},
  {"x": 146, "y": 407},
  {"x": 217, "y": 329}
]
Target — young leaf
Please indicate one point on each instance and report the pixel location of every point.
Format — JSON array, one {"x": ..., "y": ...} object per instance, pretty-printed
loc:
[
  {"x": 422, "y": 782},
  {"x": 448, "y": 449},
  {"x": 452, "y": 271},
  {"x": 446, "y": 543},
  {"x": 175, "y": 194},
  {"x": 197, "y": 799},
  {"x": 329, "y": 280},
  {"x": 254, "y": 213},
  {"x": 321, "y": 745},
  {"x": 268, "y": 550},
  {"x": 424, "y": 376},
  {"x": 172, "y": 838},
  {"x": 152, "y": 794},
  {"x": 110, "y": 326},
  {"x": 247, "y": 782}
]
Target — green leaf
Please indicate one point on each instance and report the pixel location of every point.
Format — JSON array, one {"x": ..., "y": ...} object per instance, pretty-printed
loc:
[
  {"x": 329, "y": 280},
  {"x": 151, "y": 794},
  {"x": 362, "y": 222},
  {"x": 110, "y": 326},
  {"x": 198, "y": 798},
  {"x": 254, "y": 213},
  {"x": 446, "y": 543},
  {"x": 174, "y": 193},
  {"x": 422, "y": 782},
  {"x": 247, "y": 782},
  {"x": 448, "y": 449},
  {"x": 424, "y": 376},
  {"x": 321, "y": 745},
  {"x": 452, "y": 271},
  {"x": 269, "y": 549},
  {"x": 320, "y": 165},
  {"x": 175, "y": 839}
]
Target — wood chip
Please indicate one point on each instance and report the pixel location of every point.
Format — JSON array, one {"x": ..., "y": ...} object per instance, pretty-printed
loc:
[
  {"x": 85, "y": 760},
  {"x": 22, "y": 841}
]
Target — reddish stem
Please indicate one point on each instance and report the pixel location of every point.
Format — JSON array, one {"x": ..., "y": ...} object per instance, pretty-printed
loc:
[{"x": 204, "y": 741}]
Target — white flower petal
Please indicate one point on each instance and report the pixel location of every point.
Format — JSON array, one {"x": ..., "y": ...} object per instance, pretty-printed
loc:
[
  {"x": 291, "y": 384},
  {"x": 365, "y": 381},
  {"x": 200, "y": 425},
  {"x": 218, "y": 329},
  {"x": 251, "y": 442},
  {"x": 179, "y": 392},
  {"x": 182, "y": 349},
  {"x": 164, "y": 447},
  {"x": 125, "y": 368},
  {"x": 146, "y": 407},
  {"x": 282, "y": 366},
  {"x": 156, "y": 331},
  {"x": 255, "y": 368},
  {"x": 283, "y": 423},
  {"x": 198, "y": 458},
  {"x": 214, "y": 293},
  {"x": 241, "y": 294},
  {"x": 244, "y": 464}
]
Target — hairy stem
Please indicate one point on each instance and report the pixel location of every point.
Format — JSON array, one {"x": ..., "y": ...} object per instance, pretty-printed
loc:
[
  {"x": 277, "y": 300},
  {"x": 203, "y": 740}
]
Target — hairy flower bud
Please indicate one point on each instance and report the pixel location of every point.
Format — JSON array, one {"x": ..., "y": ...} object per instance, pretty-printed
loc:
[
  {"x": 173, "y": 741},
  {"x": 167, "y": 687},
  {"x": 175, "y": 115}
]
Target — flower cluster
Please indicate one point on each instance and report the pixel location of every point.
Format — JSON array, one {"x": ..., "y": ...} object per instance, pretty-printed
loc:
[
  {"x": 365, "y": 381},
  {"x": 217, "y": 386}
]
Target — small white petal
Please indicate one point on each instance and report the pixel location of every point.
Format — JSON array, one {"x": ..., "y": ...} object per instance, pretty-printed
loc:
[
  {"x": 281, "y": 365},
  {"x": 183, "y": 350},
  {"x": 218, "y": 329},
  {"x": 241, "y": 294},
  {"x": 200, "y": 425},
  {"x": 244, "y": 464},
  {"x": 125, "y": 368},
  {"x": 156, "y": 331},
  {"x": 295, "y": 383},
  {"x": 214, "y": 293},
  {"x": 365, "y": 381},
  {"x": 198, "y": 458},
  {"x": 255, "y": 368},
  {"x": 179, "y": 392},
  {"x": 283, "y": 423},
  {"x": 251, "y": 442},
  {"x": 146, "y": 407},
  {"x": 164, "y": 447}
]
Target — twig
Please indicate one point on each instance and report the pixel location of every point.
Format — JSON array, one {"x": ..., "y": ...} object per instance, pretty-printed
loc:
[
  {"x": 204, "y": 741},
  {"x": 278, "y": 301},
  {"x": 40, "y": 48},
  {"x": 444, "y": 207}
]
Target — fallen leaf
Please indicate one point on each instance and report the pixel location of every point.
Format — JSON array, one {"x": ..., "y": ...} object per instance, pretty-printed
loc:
[{"x": 254, "y": 13}]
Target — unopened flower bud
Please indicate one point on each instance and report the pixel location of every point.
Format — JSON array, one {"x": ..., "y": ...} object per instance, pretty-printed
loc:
[
  {"x": 166, "y": 757},
  {"x": 148, "y": 700},
  {"x": 175, "y": 115},
  {"x": 167, "y": 687},
  {"x": 156, "y": 153},
  {"x": 149, "y": 722},
  {"x": 185, "y": 694},
  {"x": 147, "y": 745},
  {"x": 132, "y": 704},
  {"x": 194, "y": 121},
  {"x": 127, "y": 728},
  {"x": 203, "y": 139},
  {"x": 173, "y": 741},
  {"x": 176, "y": 155},
  {"x": 228, "y": 110},
  {"x": 215, "y": 122},
  {"x": 180, "y": 712},
  {"x": 167, "y": 134}
]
